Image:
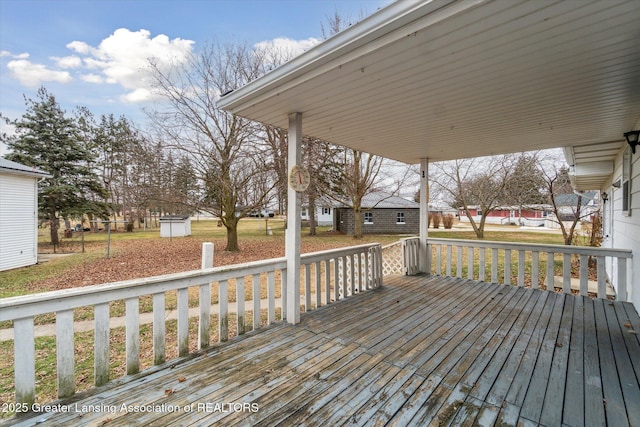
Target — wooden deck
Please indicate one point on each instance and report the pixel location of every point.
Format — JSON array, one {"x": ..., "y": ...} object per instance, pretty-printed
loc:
[{"x": 420, "y": 350}]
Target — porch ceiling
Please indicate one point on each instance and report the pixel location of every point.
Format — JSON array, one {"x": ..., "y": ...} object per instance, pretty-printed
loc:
[{"x": 446, "y": 79}]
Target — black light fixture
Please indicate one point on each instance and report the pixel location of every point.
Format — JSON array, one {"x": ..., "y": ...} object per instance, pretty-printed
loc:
[
  {"x": 632, "y": 139},
  {"x": 605, "y": 197}
]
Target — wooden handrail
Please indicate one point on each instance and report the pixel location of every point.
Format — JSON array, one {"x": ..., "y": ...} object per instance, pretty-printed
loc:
[{"x": 528, "y": 254}]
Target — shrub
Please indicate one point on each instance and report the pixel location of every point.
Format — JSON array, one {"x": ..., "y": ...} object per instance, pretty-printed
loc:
[
  {"x": 436, "y": 220},
  {"x": 447, "y": 221}
]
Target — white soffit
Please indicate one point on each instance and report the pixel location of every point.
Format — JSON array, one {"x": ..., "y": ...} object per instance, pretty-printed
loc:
[
  {"x": 445, "y": 80},
  {"x": 592, "y": 164}
]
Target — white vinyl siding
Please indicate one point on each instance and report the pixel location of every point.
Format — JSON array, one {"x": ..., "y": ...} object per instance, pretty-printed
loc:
[
  {"x": 18, "y": 221},
  {"x": 625, "y": 225}
]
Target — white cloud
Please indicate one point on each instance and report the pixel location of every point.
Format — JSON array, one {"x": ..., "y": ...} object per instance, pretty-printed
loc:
[
  {"x": 32, "y": 75},
  {"x": 68, "y": 61},
  {"x": 79, "y": 47},
  {"x": 282, "y": 49},
  {"x": 6, "y": 53},
  {"x": 123, "y": 58},
  {"x": 138, "y": 95},
  {"x": 94, "y": 64},
  {"x": 91, "y": 78}
]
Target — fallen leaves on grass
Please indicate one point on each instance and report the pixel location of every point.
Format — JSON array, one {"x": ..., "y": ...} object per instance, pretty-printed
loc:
[
  {"x": 145, "y": 258},
  {"x": 133, "y": 259}
]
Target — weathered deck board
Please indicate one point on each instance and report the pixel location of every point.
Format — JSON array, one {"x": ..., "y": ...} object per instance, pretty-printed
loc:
[
  {"x": 420, "y": 350},
  {"x": 609, "y": 374},
  {"x": 547, "y": 354},
  {"x": 552, "y": 409},
  {"x": 593, "y": 405},
  {"x": 573, "y": 410},
  {"x": 630, "y": 389}
]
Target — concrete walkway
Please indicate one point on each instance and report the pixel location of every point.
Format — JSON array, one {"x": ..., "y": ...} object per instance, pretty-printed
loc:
[{"x": 49, "y": 329}]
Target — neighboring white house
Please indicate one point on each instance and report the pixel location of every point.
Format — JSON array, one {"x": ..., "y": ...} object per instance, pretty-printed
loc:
[
  {"x": 324, "y": 214},
  {"x": 18, "y": 214},
  {"x": 442, "y": 208}
]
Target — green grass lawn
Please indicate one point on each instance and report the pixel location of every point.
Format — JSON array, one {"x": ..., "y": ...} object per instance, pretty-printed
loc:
[{"x": 509, "y": 235}]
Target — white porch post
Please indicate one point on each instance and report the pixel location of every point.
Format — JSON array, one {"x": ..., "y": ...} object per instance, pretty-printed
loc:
[
  {"x": 293, "y": 223},
  {"x": 425, "y": 264}
]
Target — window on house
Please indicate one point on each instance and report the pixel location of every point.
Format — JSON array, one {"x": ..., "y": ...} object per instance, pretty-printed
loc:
[
  {"x": 303, "y": 211},
  {"x": 400, "y": 218},
  {"x": 326, "y": 211},
  {"x": 368, "y": 217},
  {"x": 626, "y": 182}
]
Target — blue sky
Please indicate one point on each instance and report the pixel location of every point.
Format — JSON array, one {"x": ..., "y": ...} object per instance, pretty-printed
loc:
[{"x": 89, "y": 53}]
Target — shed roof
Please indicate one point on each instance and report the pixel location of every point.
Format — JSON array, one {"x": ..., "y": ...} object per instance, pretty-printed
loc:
[
  {"x": 12, "y": 167},
  {"x": 174, "y": 218}
]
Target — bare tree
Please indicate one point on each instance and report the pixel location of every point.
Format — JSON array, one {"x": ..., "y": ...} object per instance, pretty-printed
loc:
[
  {"x": 479, "y": 182},
  {"x": 276, "y": 141},
  {"x": 359, "y": 170},
  {"x": 358, "y": 176},
  {"x": 220, "y": 146},
  {"x": 319, "y": 158},
  {"x": 558, "y": 187}
]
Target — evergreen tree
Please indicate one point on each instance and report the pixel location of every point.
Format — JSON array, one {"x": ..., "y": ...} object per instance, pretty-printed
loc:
[{"x": 51, "y": 142}]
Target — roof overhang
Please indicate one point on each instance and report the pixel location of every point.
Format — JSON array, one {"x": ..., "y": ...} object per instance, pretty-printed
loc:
[
  {"x": 449, "y": 79},
  {"x": 591, "y": 165},
  {"x": 13, "y": 168}
]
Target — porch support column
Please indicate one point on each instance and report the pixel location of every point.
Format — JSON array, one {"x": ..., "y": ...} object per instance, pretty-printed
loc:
[
  {"x": 425, "y": 260},
  {"x": 292, "y": 250}
]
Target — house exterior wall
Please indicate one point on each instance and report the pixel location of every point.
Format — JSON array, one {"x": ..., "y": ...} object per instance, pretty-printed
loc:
[
  {"x": 324, "y": 215},
  {"x": 530, "y": 218},
  {"x": 622, "y": 230},
  {"x": 18, "y": 221},
  {"x": 384, "y": 221}
]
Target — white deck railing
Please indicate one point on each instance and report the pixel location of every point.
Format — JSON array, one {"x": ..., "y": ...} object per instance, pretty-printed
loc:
[
  {"x": 327, "y": 276},
  {"x": 484, "y": 260}
]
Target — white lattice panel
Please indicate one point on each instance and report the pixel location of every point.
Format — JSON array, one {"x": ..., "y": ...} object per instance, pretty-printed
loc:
[{"x": 392, "y": 259}]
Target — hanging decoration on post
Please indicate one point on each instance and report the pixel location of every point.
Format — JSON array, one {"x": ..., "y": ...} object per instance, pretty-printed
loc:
[{"x": 299, "y": 178}]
